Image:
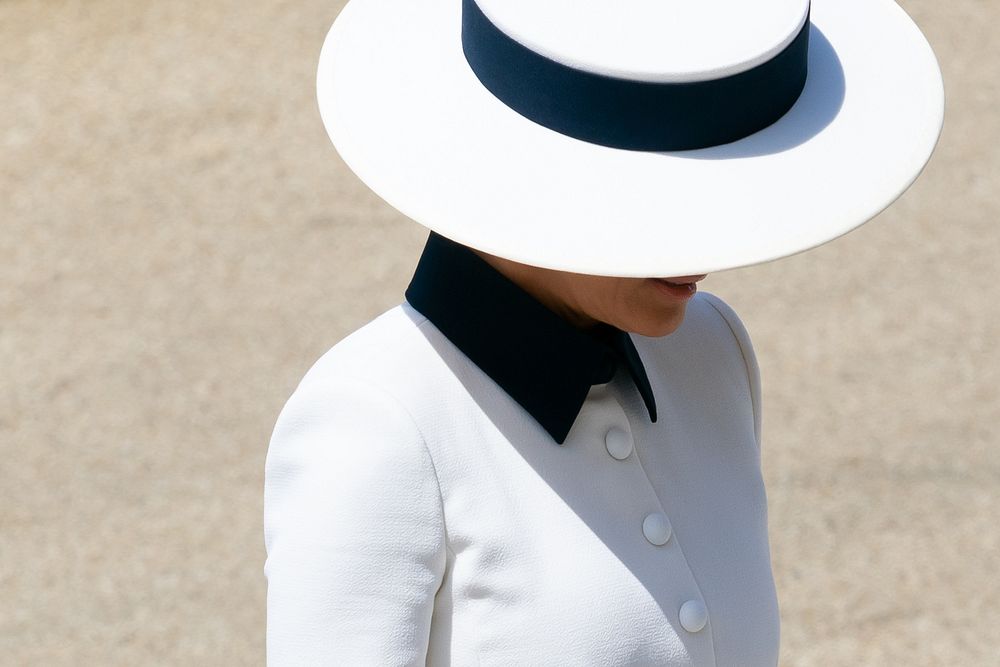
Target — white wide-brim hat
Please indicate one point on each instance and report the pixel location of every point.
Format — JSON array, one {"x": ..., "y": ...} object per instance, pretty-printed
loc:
[{"x": 414, "y": 120}]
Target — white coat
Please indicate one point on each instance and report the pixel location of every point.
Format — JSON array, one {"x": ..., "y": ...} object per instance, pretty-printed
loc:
[{"x": 415, "y": 514}]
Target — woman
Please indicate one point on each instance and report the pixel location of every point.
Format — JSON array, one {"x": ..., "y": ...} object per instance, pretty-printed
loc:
[{"x": 550, "y": 453}]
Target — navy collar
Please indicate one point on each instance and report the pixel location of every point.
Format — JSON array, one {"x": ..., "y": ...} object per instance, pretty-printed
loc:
[{"x": 544, "y": 363}]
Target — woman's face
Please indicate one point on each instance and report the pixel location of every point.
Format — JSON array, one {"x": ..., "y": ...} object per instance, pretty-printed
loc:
[{"x": 646, "y": 306}]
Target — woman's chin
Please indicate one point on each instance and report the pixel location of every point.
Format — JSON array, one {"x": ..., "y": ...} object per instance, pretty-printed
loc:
[{"x": 661, "y": 325}]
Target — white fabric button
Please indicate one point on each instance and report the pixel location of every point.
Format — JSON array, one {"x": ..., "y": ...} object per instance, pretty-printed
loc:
[
  {"x": 693, "y": 615},
  {"x": 656, "y": 528},
  {"x": 618, "y": 442}
]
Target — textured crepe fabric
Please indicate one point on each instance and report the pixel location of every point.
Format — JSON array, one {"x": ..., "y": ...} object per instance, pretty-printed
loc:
[{"x": 415, "y": 514}]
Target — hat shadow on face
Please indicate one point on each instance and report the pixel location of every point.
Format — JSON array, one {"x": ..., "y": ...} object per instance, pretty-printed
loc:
[{"x": 817, "y": 106}]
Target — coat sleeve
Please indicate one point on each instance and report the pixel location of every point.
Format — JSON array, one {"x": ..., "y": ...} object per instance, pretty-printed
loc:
[
  {"x": 354, "y": 530},
  {"x": 749, "y": 357}
]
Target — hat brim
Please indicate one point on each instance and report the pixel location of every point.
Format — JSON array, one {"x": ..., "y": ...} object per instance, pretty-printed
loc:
[{"x": 411, "y": 119}]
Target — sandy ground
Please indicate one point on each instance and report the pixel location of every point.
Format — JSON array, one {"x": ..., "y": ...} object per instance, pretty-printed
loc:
[{"x": 179, "y": 242}]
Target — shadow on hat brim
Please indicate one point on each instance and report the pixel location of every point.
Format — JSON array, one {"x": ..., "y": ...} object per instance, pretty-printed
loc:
[{"x": 411, "y": 119}]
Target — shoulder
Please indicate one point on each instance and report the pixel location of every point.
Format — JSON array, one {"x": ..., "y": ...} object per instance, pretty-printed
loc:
[
  {"x": 344, "y": 406},
  {"x": 378, "y": 383},
  {"x": 373, "y": 350},
  {"x": 344, "y": 432},
  {"x": 742, "y": 337},
  {"x": 712, "y": 342},
  {"x": 720, "y": 308},
  {"x": 402, "y": 354},
  {"x": 397, "y": 354}
]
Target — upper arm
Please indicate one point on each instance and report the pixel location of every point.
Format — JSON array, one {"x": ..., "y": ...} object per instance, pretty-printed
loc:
[
  {"x": 749, "y": 357},
  {"x": 353, "y": 527}
]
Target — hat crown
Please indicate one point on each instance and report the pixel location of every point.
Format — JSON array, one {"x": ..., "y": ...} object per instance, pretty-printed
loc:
[{"x": 668, "y": 41}]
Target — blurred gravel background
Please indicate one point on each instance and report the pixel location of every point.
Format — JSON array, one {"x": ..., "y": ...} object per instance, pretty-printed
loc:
[{"x": 179, "y": 242}]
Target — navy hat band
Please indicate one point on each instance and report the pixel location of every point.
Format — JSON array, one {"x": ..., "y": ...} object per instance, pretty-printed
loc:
[{"x": 636, "y": 115}]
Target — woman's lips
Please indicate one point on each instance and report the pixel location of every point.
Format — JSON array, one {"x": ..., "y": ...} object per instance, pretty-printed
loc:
[{"x": 682, "y": 288}]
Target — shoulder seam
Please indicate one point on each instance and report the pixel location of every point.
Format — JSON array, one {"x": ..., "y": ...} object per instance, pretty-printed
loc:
[
  {"x": 423, "y": 441},
  {"x": 754, "y": 399}
]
